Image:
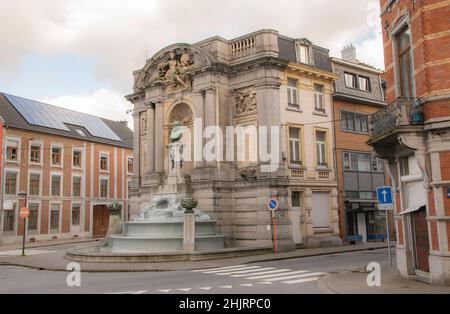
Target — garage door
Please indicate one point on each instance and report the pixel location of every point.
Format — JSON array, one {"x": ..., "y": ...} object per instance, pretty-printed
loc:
[{"x": 321, "y": 210}]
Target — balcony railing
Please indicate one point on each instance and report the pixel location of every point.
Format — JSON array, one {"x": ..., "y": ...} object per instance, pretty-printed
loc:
[{"x": 403, "y": 112}]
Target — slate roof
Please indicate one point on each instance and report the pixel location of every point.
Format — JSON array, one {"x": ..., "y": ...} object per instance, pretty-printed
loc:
[{"x": 14, "y": 119}]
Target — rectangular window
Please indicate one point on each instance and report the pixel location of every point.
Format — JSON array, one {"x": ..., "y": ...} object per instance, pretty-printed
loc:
[
  {"x": 350, "y": 162},
  {"x": 130, "y": 165},
  {"x": 12, "y": 151},
  {"x": 321, "y": 151},
  {"x": 377, "y": 164},
  {"x": 35, "y": 153},
  {"x": 76, "y": 187},
  {"x": 76, "y": 215},
  {"x": 35, "y": 182},
  {"x": 303, "y": 54},
  {"x": 104, "y": 162},
  {"x": 404, "y": 62},
  {"x": 354, "y": 122},
  {"x": 350, "y": 80},
  {"x": 33, "y": 217},
  {"x": 77, "y": 158},
  {"x": 404, "y": 167},
  {"x": 56, "y": 156},
  {"x": 10, "y": 183},
  {"x": 364, "y": 163},
  {"x": 296, "y": 199},
  {"x": 9, "y": 219},
  {"x": 54, "y": 218},
  {"x": 292, "y": 90},
  {"x": 56, "y": 185},
  {"x": 364, "y": 83},
  {"x": 319, "y": 98},
  {"x": 104, "y": 188},
  {"x": 295, "y": 146}
]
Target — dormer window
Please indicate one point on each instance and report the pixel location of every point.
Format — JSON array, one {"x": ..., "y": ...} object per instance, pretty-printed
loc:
[{"x": 303, "y": 49}]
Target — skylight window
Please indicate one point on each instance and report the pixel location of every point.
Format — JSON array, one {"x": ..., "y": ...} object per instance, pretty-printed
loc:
[{"x": 81, "y": 133}]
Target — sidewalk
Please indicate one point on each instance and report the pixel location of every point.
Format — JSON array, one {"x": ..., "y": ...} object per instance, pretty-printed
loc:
[
  {"x": 354, "y": 282},
  {"x": 10, "y": 247},
  {"x": 56, "y": 261}
]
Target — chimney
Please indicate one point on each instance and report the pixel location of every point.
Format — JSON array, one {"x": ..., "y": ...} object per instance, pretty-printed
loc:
[{"x": 349, "y": 53}]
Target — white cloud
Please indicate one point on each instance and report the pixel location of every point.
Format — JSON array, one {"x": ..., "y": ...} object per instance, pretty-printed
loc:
[{"x": 104, "y": 103}]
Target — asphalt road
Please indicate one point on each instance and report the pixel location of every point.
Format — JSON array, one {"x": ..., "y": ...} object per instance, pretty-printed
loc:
[{"x": 296, "y": 276}]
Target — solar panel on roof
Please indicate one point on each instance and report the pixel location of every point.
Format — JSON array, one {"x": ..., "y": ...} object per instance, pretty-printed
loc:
[{"x": 41, "y": 114}]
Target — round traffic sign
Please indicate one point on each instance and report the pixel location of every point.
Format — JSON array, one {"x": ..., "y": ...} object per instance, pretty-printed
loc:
[
  {"x": 24, "y": 212},
  {"x": 273, "y": 205}
]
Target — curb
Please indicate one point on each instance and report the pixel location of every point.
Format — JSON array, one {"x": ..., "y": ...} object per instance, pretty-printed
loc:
[
  {"x": 43, "y": 245},
  {"x": 189, "y": 268}
]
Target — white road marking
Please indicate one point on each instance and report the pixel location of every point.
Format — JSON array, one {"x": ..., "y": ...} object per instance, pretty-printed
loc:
[
  {"x": 264, "y": 283},
  {"x": 295, "y": 276},
  {"x": 206, "y": 288},
  {"x": 165, "y": 291},
  {"x": 130, "y": 292},
  {"x": 220, "y": 268},
  {"x": 246, "y": 285},
  {"x": 301, "y": 280},
  {"x": 232, "y": 270},
  {"x": 263, "y": 273},
  {"x": 275, "y": 275},
  {"x": 185, "y": 289},
  {"x": 247, "y": 271},
  {"x": 226, "y": 287}
]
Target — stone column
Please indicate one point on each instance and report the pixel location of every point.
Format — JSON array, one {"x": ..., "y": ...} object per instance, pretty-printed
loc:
[
  {"x": 199, "y": 99},
  {"x": 159, "y": 137},
  {"x": 150, "y": 138},
  {"x": 210, "y": 112},
  {"x": 189, "y": 233},
  {"x": 136, "y": 147}
]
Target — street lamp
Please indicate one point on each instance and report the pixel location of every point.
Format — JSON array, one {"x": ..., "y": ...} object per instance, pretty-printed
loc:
[{"x": 24, "y": 195}]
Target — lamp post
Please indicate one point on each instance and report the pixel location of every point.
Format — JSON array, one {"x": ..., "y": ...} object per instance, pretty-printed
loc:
[{"x": 24, "y": 195}]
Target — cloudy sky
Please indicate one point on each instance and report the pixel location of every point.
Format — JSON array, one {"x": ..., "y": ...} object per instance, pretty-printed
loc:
[{"x": 80, "y": 54}]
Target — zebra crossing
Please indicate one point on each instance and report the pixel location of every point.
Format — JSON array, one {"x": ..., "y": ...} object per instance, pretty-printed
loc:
[{"x": 263, "y": 274}]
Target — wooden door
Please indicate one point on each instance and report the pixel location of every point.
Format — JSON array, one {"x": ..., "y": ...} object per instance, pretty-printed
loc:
[
  {"x": 101, "y": 221},
  {"x": 422, "y": 244}
]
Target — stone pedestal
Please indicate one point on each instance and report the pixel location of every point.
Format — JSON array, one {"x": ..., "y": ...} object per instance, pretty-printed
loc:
[{"x": 189, "y": 233}]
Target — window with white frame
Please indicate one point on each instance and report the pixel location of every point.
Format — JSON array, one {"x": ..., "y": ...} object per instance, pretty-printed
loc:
[
  {"x": 10, "y": 183},
  {"x": 56, "y": 185},
  {"x": 35, "y": 153},
  {"x": 321, "y": 149},
  {"x": 76, "y": 158},
  {"x": 56, "y": 156},
  {"x": 350, "y": 80},
  {"x": 54, "y": 217},
  {"x": 295, "y": 157},
  {"x": 33, "y": 217},
  {"x": 104, "y": 188},
  {"x": 104, "y": 162},
  {"x": 319, "y": 98},
  {"x": 292, "y": 91},
  {"x": 76, "y": 186},
  {"x": 12, "y": 151},
  {"x": 303, "y": 53},
  {"x": 364, "y": 83},
  {"x": 34, "y": 184}
]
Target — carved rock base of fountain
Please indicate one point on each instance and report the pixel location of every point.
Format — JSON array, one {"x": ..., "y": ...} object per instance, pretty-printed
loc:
[{"x": 159, "y": 229}]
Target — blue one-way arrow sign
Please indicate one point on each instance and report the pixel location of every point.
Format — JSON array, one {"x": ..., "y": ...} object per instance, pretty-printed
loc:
[{"x": 384, "y": 198}]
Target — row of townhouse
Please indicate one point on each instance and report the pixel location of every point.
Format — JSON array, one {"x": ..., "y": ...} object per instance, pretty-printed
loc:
[{"x": 64, "y": 166}]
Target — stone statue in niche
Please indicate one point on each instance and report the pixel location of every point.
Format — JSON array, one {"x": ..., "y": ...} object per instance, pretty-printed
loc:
[
  {"x": 175, "y": 146},
  {"x": 246, "y": 102},
  {"x": 174, "y": 70}
]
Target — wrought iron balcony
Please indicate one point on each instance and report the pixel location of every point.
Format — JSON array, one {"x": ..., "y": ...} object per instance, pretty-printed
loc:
[{"x": 402, "y": 113}]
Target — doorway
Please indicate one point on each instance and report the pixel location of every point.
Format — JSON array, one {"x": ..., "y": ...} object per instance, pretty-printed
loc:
[
  {"x": 421, "y": 240},
  {"x": 100, "y": 221},
  {"x": 295, "y": 216}
]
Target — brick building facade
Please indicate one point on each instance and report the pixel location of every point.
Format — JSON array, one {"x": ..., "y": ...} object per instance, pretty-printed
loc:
[
  {"x": 413, "y": 133},
  {"x": 70, "y": 165}
]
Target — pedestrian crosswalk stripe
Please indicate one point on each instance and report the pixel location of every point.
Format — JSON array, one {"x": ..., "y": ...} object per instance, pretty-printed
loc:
[
  {"x": 275, "y": 275},
  {"x": 294, "y": 276},
  {"x": 226, "y": 287},
  {"x": 247, "y": 271},
  {"x": 262, "y": 272},
  {"x": 130, "y": 292},
  {"x": 185, "y": 289},
  {"x": 265, "y": 283},
  {"x": 230, "y": 271},
  {"x": 165, "y": 291},
  {"x": 246, "y": 285},
  {"x": 301, "y": 280},
  {"x": 205, "y": 288},
  {"x": 218, "y": 268}
]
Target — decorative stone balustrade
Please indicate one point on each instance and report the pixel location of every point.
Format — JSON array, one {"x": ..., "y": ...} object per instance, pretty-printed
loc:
[{"x": 243, "y": 45}]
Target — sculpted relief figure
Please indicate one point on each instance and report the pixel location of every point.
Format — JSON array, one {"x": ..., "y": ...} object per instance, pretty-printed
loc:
[
  {"x": 246, "y": 102},
  {"x": 173, "y": 71}
]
